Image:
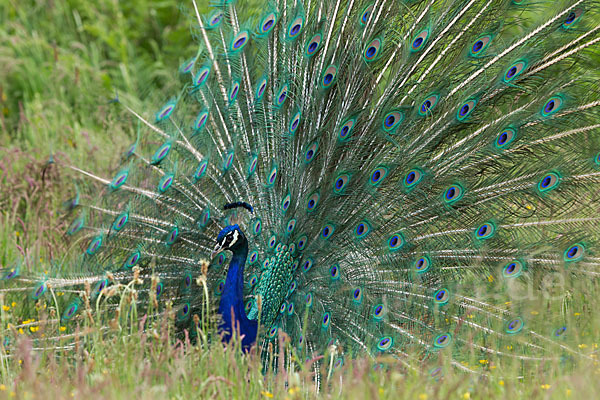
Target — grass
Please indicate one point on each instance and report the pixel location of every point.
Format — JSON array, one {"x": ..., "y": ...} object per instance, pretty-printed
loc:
[{"x": 62, "y": 61}]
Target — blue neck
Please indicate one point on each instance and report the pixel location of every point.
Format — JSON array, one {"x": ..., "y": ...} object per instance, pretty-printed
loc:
[{"x": 232, "y": 300}]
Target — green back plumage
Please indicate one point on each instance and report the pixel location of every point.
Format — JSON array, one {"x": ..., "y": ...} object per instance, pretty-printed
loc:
[{"x": 423, "y": 174}]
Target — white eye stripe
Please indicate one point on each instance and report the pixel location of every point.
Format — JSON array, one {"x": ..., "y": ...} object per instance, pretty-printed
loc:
[{"x": 235, "y": 238}]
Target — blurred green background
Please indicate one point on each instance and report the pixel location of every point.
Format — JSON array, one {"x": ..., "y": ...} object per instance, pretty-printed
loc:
[{"x": 61, "y": 62}]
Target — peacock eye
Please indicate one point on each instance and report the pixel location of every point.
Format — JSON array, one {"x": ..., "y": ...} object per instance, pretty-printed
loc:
[
  {"x": 428, "y": 105},
  {"x": 200, "y": 78},
  {"x": 552, "y": 106},
  {"x": 385, "y": 343},
  {"x": 574, "y": 252},
  {"x": 422, "y": 264},
  {"x": 485, "y": 231},
  {"x": 560, "y": 331},
  {"x": 413, "y": 177},
  {"x": 419, "y": 41},
  {"x": 573, "y": 17},
  {"x": 364, "y": 16},
  {"x": 215, "y": 19},
  {"x": 372, "y": 50},
  {"x": 239, "y": 41},
  {"x": 453, "y": 193},
  {"x": 480, "y": 45},
  {"x": 396, "y": 241},
  {"x": 442, "y": 340},
  {"x": 504, "y": 138},
  {"x": 441, "y": 297},
  {"x": 377, "y": 175},
  {"x": 392, "y": 120},
  {"x": 340, "y": 183},
  {"x": 513, "y": 269},
  {"x": 295, "y": 122},
  {"x": 327, "y": 231},
  {"x": 514, "y": 70},
  {"x": 313, "y": 45},
  {"x": 260, "y": 88},
  {"x": 328, "y": 76},
  {"x": 307, "y": 265},
  {"x": 362, "y": 230},
  {"x": 310, "y": 152},
  {"x": 465, "y": 110},
  {"x": 312, "y": 202},
  {"x": 267, "y": 23},
  {"x": 295, "y": 28},
  {"x": 514, "y": 326},
  {"x": 549, "y": 182},
  {"x": 346, "y": 129}
]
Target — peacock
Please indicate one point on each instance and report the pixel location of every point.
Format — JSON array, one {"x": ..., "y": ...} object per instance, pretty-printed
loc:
[{"x": 417, "y": 179}]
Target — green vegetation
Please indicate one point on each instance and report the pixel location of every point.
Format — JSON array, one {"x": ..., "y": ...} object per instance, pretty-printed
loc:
[{"x": 60, "y": 64}]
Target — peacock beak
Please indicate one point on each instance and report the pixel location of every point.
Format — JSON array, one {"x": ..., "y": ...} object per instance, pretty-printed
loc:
[{"x": 216, "y": 250}]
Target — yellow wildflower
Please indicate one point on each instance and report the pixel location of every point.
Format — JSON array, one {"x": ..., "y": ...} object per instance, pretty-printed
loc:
[
  {"x": 21, "y": 331},
  {"x": 545, "y": 386},
  {"x": 467, "y": 396},
  {"x": 422, "y": 396},
  {"x": 62, "y": 328},
  {"x": 2, "y": 387},
  {"x": 501, "y": 383},
  {"x": 5, "y": 308},
  {"x": 267, "y": 394},
  {"x": 34, "y": 328},
  {"x": 483, "y": 362},
  {"x": 13, "y": 304},
  {"x": 582, "y": 346}
]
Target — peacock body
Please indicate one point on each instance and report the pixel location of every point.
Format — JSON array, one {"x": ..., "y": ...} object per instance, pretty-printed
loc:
[{"x": 412, "y": 178}]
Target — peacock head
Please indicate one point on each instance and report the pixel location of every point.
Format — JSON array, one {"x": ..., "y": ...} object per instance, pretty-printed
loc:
[{"x": 230, "y": 238}]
